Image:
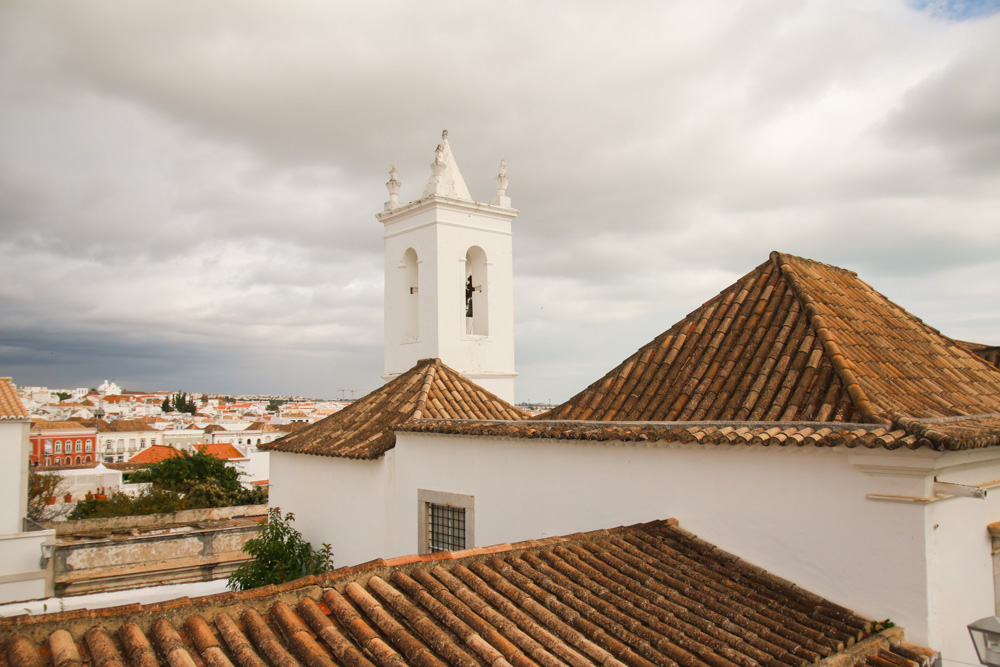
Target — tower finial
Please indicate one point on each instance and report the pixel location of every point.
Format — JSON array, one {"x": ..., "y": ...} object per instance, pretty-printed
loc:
[
  {"x": 502, "y": 181},
  {"x": 393, "y": 187},
  {"x": 445, "y": 179}
]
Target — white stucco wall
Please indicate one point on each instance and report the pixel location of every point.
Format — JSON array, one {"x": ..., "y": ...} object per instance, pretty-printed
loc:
[
  {"x": 339, "y": 501},
  {"x": 800, "y": 513},
  {"x": 960, "y": 566},
  {"x": 257, "y": 467},
  {"x": 14, "y": 453},
  {"x": 20, "y": 575}
]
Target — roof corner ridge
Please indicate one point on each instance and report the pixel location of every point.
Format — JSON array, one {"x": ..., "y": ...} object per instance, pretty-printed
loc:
[
  {"x": 425, "y": 389},
  {"x": 831, "y": 348}
]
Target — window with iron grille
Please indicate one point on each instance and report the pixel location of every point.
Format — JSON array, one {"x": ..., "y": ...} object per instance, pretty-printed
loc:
[
  {"x": 446, "y": 521},
  {"x": 445, "y": 528}
]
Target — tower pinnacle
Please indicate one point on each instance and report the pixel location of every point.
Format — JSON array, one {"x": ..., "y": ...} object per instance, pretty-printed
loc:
[{"x": 445, "y": 180}]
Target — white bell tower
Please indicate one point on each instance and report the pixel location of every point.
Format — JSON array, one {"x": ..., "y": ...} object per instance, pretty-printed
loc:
[{"x": 449, "y": 278}]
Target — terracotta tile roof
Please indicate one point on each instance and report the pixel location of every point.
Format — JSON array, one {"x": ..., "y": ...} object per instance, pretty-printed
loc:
[
  {"x": 47, "y": 425},
  {"x": 793, "y": 340},
  {"x": 800, "y": 434},
  {"x": 990, "y": 353},
  {"x": 365, "y": 428},
  {"x": 221, "y": 450},
  {"x": 644, "y": 595},
  {"x": 265, "y": 427},
  {"x": 120, "y": 425},
  {"x": 155, "y": 454}
]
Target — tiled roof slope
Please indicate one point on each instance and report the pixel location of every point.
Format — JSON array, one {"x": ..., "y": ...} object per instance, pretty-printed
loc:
[
  {"x": 364, "y": 429},
  {"x": 645, "y": 595},
  {"x": 155, "y": 454},
  {"x": 10, "y": 404},
  {"x": 221, "y": 450},
  {"x": 793, "y": 340},
  {"x": 117, "y": 425}
]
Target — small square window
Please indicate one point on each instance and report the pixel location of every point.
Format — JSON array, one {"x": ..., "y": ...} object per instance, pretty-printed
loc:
[
  {"x": 445, "y": 528},
  {"x": 446, "y": 521}
]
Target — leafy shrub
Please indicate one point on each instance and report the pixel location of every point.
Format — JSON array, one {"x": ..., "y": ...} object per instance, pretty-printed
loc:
[
  {"x": 183, "y": 472},
  {"x": 279, "y": 555},
  {"x": 184, "y": 482}
]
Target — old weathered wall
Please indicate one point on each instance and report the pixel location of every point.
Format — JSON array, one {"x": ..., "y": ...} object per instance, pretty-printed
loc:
[{"x": 91, "y": 561}]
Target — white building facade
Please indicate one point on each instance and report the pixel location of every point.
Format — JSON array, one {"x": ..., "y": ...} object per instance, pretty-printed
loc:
[{"x": 23, "y": 572}]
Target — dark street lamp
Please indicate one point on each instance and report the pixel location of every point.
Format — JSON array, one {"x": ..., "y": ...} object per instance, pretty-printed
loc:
[{"x": 986, "y": 638}]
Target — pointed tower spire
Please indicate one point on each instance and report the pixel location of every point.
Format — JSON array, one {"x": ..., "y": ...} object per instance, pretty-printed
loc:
[{"x": 446, "y": 180}]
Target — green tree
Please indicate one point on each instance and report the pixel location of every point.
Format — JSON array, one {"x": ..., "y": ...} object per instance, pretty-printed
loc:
[
  {"x": 63, "y": 395},
  {"x": 149, "y": 501},
  {"x": 183, "y": 472},
  {"x": 279, "y": 555},
  {"x": 186, "y": 481},
  {"x": 184, "y": 403},
  {"x": 165, "y": 405}
]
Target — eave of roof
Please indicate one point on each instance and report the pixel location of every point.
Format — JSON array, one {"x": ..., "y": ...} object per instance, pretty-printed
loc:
[
  {"x": 638, "y": 595},
  {"x": 938, "y": 434}
]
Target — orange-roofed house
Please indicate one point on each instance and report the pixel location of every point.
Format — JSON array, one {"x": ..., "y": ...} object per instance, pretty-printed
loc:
[{"x": 62, "y": 443}]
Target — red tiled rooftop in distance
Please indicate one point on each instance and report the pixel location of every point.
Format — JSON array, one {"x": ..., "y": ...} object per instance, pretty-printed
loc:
[
  {"x": 221, "y": 450},
  {"x": 155, "y": 454},
  {"x": 644, "y": 595}
]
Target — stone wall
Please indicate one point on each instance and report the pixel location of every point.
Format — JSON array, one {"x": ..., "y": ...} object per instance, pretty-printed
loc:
[{"x": 102, "y": 555}]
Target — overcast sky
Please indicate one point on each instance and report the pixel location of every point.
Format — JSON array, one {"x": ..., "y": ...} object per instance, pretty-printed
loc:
[{"x": 188, "y": 188}]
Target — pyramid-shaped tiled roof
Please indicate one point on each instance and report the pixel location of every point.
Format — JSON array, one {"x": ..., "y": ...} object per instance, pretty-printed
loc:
[
  {"x": 365, "y": 428},
  {"x": 794, "y": 340}
]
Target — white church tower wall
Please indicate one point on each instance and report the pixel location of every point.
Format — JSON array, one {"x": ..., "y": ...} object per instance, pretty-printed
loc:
[{"x": 449, "y": 278}]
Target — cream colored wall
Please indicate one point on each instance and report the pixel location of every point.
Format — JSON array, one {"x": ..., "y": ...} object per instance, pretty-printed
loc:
[
  {"x": 21, "y": 577},
  {"x": 803, "y": 514},
  {"x": 342, "y": 502},
  {"x": 14, "y": 452},
  {"x": 441, "y": 233}
]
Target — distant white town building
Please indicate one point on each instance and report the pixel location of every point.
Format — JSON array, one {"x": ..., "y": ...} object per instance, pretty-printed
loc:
[{"x": 109, "y": 388}]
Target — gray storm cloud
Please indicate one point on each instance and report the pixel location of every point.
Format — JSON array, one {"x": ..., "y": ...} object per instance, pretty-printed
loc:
[{"x": 188, "y": 190}]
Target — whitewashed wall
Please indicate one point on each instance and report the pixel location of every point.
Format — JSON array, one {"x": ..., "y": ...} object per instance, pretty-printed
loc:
[
  {"x": 800, "y": 513},
  {"x": 257, "y": 467},
  {"x": 339, "y": 501},
  {"x": 441, "y": 232},
  {"x": 14, "y": 451},
  {"x": 20, "y": 575}
]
